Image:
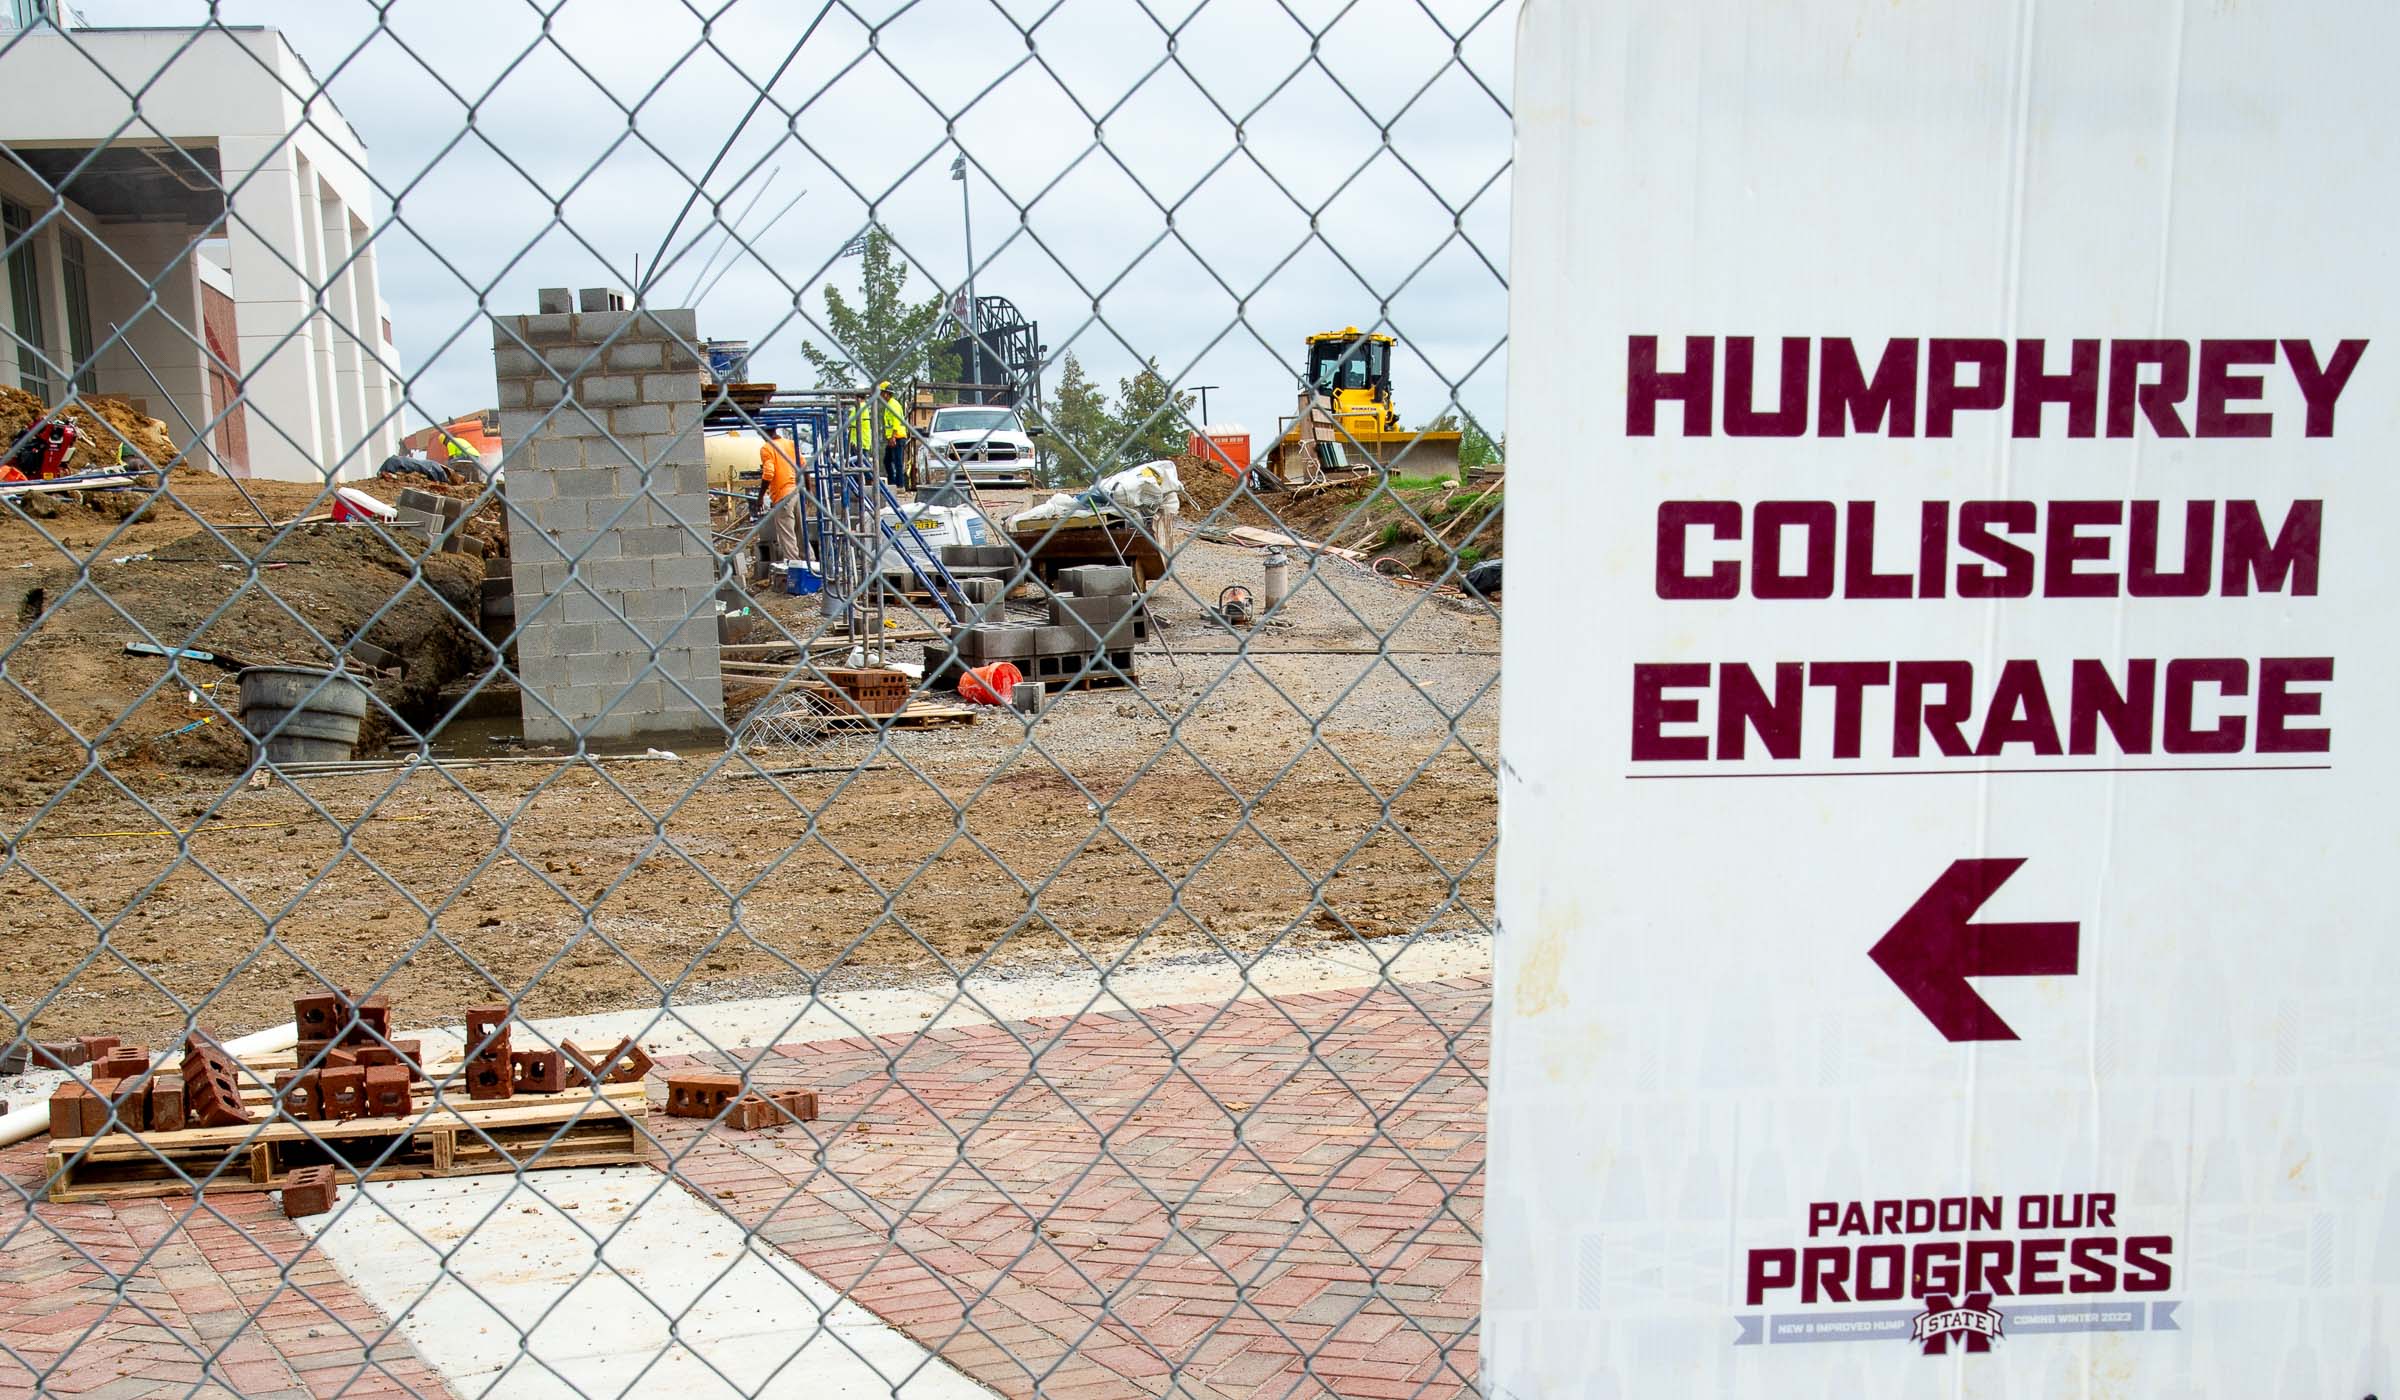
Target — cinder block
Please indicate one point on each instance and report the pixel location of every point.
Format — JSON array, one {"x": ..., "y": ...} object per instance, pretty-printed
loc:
[
  {"x": 554, "y": 454},
  {"x": 487, "y": 1030},
  {"x": 308, "y": 1191},
  {"x": 1095, "y": 580},
  {"x": 554, "y": 301},
  {"x": 1101, "y": 623},
  {"x": 296, "y": 1091},
  {"x": 600, "y": 299},
  {"x": 693, "y": 570},
  {"x": 980, "y": 556},
  {"x": 341, "y": 1093},
  {"x": 628, "y": 1062},
  {"x": 693, "y": 1094},
  {"x": 374, "y": 1022},
  {"x": 672, "y": 541},
  {"x": 387, "y": 1091},
  {"x": 407, "y": 1054},
  {"x": 319, "y": 1015},
  {"x": 1001, "y": 642},
  {"x": 637, "y": 420},
  {"x": 517, "y": 429},
  {"x": 490, "y": 1076},
  {"x": 670, "y": 388},
  {"x": 514, "y": 361},
  {"x": 548, "y": 326},
  {"x": 570, "y": 359},
  {"x": 604, "y": 390},
  {"x": 681, "y": 324},
  {"x": 610, "y": 576},
  {"x": 538, "y": 1071},
  {"x": 636, "y": 354},
  {"x": 212, "y": 1094}
]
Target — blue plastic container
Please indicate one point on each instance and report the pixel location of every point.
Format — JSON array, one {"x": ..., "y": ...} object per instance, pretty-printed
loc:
[
  {"x": 728, "y": 360},
  {"x": 803, "y": 580}
]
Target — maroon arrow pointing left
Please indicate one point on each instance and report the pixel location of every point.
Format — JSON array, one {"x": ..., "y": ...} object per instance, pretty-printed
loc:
[{"x": 1932, "y": 951}]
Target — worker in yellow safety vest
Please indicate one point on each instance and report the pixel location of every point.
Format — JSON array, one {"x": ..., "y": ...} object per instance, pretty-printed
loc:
[
  {"x": 461, "y": 459},
  {"x": 779, "y": 497},
  {"x": 895, "y": 432}
]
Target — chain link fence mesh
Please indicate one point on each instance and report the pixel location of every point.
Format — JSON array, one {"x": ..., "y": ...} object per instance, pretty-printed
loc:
[{"x": 1145, "y": 1020}]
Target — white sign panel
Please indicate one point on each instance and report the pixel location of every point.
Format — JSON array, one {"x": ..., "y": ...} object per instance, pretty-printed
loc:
[{"x": 1952, "y": 722}]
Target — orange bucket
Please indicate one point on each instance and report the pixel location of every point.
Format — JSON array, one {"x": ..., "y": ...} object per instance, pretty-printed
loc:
[{"x": 990, "y": 685}]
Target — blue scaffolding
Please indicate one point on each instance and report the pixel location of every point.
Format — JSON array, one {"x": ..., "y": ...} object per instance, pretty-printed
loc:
[{"x": 841, "y": 507}]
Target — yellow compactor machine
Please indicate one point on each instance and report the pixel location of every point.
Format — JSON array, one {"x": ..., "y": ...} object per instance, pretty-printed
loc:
[{"x": 1349, "y": 406}]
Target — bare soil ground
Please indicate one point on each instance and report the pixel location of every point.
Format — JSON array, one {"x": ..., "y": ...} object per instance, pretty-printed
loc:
[
  {"x": 83, "y": 578},
  {"x": 1424, "y": 523},
  {"x": 1329, "y": 777}
]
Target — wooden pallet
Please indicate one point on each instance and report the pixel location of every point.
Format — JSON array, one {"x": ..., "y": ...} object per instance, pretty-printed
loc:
[
  {"x": 920, "y": 713},
  {"x": 450, "y": 1138},
  {"x": 1094, "y": 680}
]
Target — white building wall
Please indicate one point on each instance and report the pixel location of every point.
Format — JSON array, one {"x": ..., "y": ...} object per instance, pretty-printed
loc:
[{"x": 298, "y": 191}]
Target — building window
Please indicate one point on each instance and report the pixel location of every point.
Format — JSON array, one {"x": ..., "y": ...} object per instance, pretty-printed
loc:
[
  {"x": 25, "y": 299},
  {"x": 79, "y": 312}
]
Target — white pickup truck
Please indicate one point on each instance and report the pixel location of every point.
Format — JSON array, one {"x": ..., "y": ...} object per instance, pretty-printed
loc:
[{"x": 982, "y": 443}]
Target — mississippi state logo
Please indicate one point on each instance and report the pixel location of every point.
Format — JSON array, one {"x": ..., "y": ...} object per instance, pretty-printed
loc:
[{"x": 1977, "y": 1323}]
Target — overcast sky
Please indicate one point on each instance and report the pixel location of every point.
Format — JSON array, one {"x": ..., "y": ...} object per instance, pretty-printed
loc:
[{"x": 1213, "y": 113}]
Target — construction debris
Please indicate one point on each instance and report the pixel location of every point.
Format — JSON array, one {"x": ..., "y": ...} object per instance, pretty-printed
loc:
[
  {"x": 132, "y": 1130},
  {"x": 1096, "y": 616},
  {"x": 706, "y": 1094},
  {"x": 109, "y": 432},
  {"x": 309, "y": 1191}
]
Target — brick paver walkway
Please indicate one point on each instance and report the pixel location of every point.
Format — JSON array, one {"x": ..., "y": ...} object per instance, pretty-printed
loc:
[
  {"x": 214, "y": 1303},
  {"x": 1083, "y": 1217}
]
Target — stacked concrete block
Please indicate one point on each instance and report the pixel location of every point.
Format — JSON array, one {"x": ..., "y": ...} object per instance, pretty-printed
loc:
[{"x": 615, "y": 576}]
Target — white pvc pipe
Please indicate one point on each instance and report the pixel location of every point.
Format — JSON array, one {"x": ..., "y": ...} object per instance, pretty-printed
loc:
[
  {"x": 73, "y": 483},
  {"x": 23, "y": 1123}
]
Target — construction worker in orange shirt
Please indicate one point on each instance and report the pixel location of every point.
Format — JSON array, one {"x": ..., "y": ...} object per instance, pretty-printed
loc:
[{"x": 779, "y": 496}]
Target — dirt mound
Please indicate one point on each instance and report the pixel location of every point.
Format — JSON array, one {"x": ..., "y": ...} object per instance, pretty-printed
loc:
[
  {"x": 1421, "y": 521},
  {"x": 103, "y": 421},
  {"x": 103, "y": 425},
  {"x": 314, "y": 591}
]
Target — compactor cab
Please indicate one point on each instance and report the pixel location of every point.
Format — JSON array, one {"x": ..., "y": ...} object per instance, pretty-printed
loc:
[{"x": 1354, "y": 373}]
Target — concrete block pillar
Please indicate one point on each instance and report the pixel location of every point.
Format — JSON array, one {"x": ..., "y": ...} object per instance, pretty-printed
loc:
[{"x": 616, "y": 577}]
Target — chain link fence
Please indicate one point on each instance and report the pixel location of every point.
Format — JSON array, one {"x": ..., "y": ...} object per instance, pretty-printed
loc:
[{"x": 489, "y": 657}]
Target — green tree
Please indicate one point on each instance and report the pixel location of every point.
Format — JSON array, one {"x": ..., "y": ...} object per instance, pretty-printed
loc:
[
  {"x": 1152, "y": 419},
  {"x": 886, "y": 333},
  {"x": 1083, "y": 433}
]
